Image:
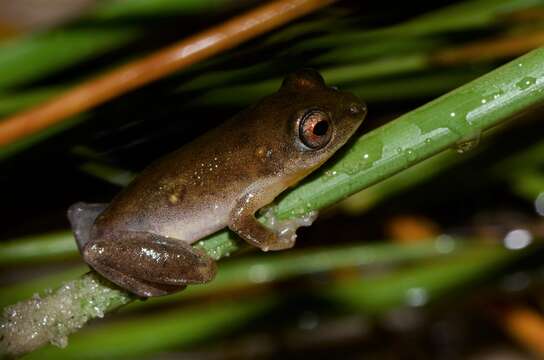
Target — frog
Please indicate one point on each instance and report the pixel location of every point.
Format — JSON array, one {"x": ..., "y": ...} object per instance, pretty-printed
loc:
[{"x": 143, "y": 239}]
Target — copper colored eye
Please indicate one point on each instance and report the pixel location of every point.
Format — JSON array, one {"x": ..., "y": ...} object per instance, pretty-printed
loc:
[{"x": 315, "y": 129}]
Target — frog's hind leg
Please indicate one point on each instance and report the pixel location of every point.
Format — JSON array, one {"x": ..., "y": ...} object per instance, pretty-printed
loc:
[
  {"x": 82, "y": 216},
  {"x": 137, "y": 286},
  {"x": 148, "y": 264}
]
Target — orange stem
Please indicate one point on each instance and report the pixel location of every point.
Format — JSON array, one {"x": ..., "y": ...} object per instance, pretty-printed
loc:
[
  {"x": 490, "y": 49},
  {"x": 527, "y": 327},
  {"x": 155, "y": 66}
]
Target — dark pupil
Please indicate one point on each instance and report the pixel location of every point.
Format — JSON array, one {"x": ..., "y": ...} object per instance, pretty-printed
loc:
[{"x": 321, "y": 128}]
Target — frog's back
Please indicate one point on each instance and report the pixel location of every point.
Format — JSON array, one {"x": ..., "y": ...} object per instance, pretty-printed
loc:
[{"x": 189, "y": 193}]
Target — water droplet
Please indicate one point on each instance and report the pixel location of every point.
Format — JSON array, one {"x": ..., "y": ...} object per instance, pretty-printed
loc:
[
  {"x": 452, "y": 114},
  {"x": 518, "y": 239},
  {"x": 259, "y": 273},
  {"x": 416, "y": 296},
  {"x": 330, "y": 173},
  {"x": 428, "y": 141},
  {"x": 444, "y": 244},
  {"x": 526, "y": 82},
  {"x": 411, "y": 154}
]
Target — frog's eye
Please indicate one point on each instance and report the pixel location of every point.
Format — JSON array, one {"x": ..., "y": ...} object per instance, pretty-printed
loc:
[{"x": 315, "y": 129}]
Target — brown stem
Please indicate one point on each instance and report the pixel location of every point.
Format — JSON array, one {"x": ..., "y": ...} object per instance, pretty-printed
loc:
[
  {"x": 526, "y": 326},
  {"x": 157, "y": 65},
  {"x": 489, "y": 49}
]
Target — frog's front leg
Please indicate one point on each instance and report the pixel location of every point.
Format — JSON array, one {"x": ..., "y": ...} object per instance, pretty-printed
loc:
[
  {"x": 148, "y": 264},
  {"x": 281, "y": 236}
]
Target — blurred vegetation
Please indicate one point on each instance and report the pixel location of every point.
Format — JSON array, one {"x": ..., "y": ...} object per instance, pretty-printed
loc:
[{"x": 356, "y": 271}]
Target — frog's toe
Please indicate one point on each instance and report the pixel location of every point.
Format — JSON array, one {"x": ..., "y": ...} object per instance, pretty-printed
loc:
[
  {"x": 136, "y": 286},
  {"x": 286, "y": 230}
]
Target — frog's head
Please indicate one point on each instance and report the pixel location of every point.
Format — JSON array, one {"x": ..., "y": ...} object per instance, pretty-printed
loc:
[{"x": 316, "y": 120}]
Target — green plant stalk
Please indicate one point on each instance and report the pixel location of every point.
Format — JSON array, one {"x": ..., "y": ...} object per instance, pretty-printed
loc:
[
  {"x": 462, "y": 16},
  {"x": 523, "y": 171},
  {"x": 12, "y": 293},
  {"x": 373, "y": 295},
  {"x": 414, "y": 175},
  {"x": 12, "y": 102},
  {"x": 53, "y": 246},
  {"x": 528, "y": 184},
  {"x": 224, "y": 80},
  {"x": 16, "y": 147},
  {"x": 422, "y": 284},
  {"x": 378, "y": 90},
  {"x": 26, "y": 59},
  {"x": 455, "y": 118},
  {"x": 32, "y": 323},
  {"x": 379, "y": 49},
  {"x": 242, "y": 272},
  {"x": 266, "y": 269},
  {"x": 118, "y": 10},
  {"x": 111, "y": 174},
  {"x": 335, "y": 74},
  {"x": 173, "y": 329}
]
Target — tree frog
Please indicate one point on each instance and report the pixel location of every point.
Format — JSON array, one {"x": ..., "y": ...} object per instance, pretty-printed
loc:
[{"x": 142, "y": 240}]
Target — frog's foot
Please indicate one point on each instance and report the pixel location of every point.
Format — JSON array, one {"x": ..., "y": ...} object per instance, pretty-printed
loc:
[
  {"x": 82, "y": 216},
  {"x": 286, "y": 230},
  {"x": 148, "y": 264},
  {"x": 278, "y": 236},
  {"x": 139, "y": 287}
]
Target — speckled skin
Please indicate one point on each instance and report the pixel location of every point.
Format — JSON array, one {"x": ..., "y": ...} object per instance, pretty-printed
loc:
[{"x": 141, "y": 240}]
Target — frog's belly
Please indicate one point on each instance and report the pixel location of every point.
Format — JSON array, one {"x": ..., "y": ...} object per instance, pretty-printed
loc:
[{"x": 193, "y": 226}]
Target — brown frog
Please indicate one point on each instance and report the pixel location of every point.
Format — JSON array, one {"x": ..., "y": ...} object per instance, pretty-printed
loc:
[{"x": 142, "y": 240}]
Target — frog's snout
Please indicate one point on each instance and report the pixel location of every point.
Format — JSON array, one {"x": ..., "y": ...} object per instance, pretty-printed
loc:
[{"x": 357, "y": 109}]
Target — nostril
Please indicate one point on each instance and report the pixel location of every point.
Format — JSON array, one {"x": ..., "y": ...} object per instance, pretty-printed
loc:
[{"x": 356, "y": 109}]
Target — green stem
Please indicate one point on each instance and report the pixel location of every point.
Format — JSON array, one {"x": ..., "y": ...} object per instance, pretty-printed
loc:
[
  {"x": 53, "y": 246},
  {"x": 456, "y": 17},
  {"x": 371, "y": 294},
  {"x": 422, "y": 284},
  {"x": 242, "y": 272},
  {"x": 153, "y": 333}
]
